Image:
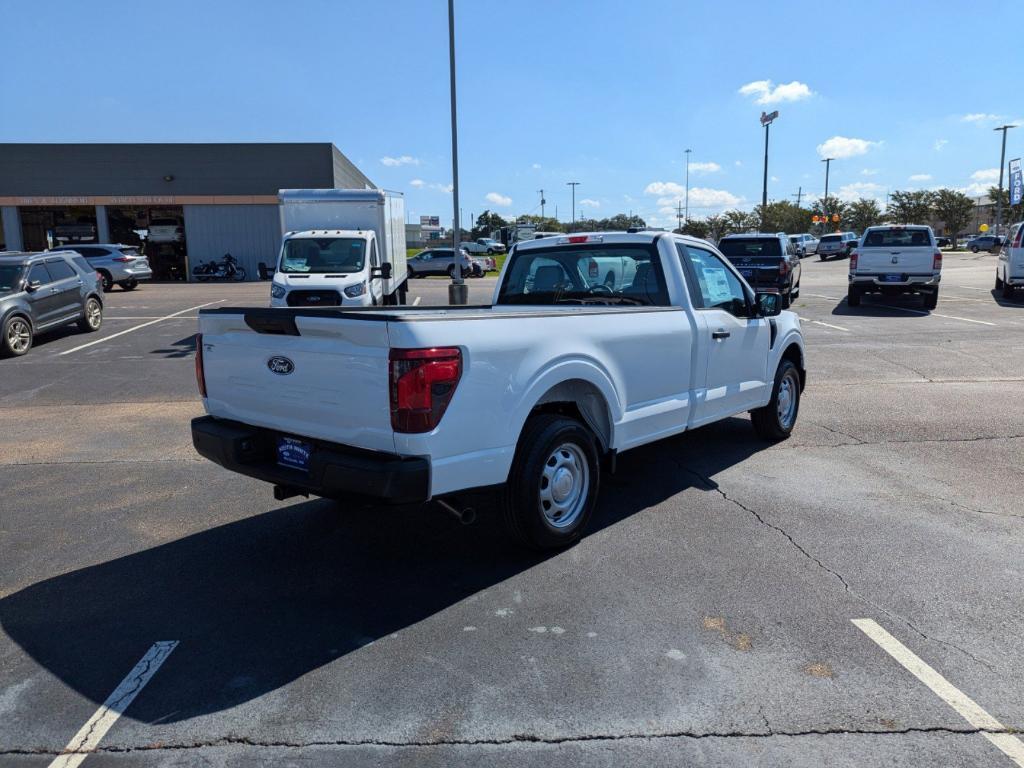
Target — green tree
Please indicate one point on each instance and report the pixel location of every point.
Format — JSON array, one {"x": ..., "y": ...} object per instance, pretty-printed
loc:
[
  {"x": 783, "y": 216},
  {"x": 486, "y": 223},
  {"x": 620, "y": 222},
  {"x": 861, "y": 214},
  {"x": 910, "y": 207},
  {"x": 717, "y": 226},
  {"x": 954, "y": 209},
  {"x": 830, "y": 207},
  {"x": 696, "y": 228},
  {"x": 1011, "y": 213},
  {"x": 737, "y": 221},
  {"x": 543, "y": 223}
]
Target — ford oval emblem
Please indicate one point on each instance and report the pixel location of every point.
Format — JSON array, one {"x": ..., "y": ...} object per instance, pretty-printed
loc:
[{"x": 280, "y": 365}]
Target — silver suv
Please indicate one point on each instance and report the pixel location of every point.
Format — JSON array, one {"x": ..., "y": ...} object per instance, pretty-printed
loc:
[
  {"x": 122, "y": 265},
  {"x": 836, "y": 244}
]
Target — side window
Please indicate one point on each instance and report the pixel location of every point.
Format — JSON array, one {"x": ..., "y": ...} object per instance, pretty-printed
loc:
[
  {"x": 82, "y": 264},
  {"x": 719, "y": 288},
  {"x": 60, "y": 270},
  {"x": 374, "y": 261},
  {"x": 39, "y": 274}
]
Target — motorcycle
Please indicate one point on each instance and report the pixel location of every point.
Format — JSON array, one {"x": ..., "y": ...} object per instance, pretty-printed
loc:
[{"x": 225, "y": 269}]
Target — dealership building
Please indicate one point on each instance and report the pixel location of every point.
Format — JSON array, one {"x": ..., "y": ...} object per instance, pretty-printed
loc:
[{"x": 220, "y": 198}]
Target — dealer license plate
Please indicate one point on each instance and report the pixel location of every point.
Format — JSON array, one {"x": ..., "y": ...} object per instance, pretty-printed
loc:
[{"x": 293, "y": 453}]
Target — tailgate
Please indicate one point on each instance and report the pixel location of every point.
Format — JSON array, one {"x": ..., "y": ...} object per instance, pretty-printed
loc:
[
  {"x": 326, "y": 378},
  {"x": 907, "y": 260},
  {"x": 759, "y": 271}
]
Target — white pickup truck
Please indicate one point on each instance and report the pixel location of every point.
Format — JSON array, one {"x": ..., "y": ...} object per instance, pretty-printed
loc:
[
  {"x": 532, "y": 394},
  {"x": 894, "y": 259}
]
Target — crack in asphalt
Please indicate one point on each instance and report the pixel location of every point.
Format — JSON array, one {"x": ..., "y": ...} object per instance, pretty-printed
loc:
[
  {"x": 519, "y": 738},
  {"x": 909, "y": 440},
  {"x": 711, "y": 486}
]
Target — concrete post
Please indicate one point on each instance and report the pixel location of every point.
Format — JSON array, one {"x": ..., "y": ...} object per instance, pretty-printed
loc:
[
  {"x": 102, "y": 225},
  {"x": 12, "y": 228}
]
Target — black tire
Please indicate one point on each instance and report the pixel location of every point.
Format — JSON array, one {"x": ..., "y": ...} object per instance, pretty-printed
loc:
[
  {"x": 129, "y": 285},
  {"x": 931, "y": 300},
  {"x": 490, "y": 251},
  {"x": 785, "y": 300},
  {"x": 93, "y": 317},
  {"x": 795, "y": 291},
  {"x": 767, "y": 421},
  {"x": 548, "y": 438},
  {"x": 410, "y": 272},
  {"x": 853, "y": 296},
  {"x": 974, "y": 249},
  {"x": 108, "y": 281},
  {"x": 999, "y": 283},
  {"x": 821, "y": 257},
  {"x": 1007, "y": 290},
  {"x": 13, "y": 339}
]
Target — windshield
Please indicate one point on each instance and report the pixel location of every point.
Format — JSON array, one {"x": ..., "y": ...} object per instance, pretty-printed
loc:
[
  {"x": 750, "y": 246},
  {"x": 897, "y": 236},
  {"x": 830, "y": 239},
  {"x": 586, "y": 274},
  {"x": 323, "y": 254},
  {"x": 163, "y": 223},
  {"x": 10, "y": 277}
]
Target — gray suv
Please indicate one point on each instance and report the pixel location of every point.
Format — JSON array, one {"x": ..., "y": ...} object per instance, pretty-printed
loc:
[
  {"x": 440, "y": 261},
  {"x": 43, "y": 291},
  {"x": 117, "y": 264}
]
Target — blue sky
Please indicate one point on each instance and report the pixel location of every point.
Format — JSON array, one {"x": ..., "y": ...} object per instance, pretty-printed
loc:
[{"x": 609, "y": 94}]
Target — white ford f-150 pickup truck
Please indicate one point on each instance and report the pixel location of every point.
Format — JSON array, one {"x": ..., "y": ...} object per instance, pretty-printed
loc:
[{"x": 534, "y": 394}]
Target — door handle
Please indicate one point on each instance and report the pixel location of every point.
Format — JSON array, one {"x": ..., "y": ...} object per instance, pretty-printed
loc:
[
  {"x": 720, "y": 334},
  {"x": 55, "y": 290}
]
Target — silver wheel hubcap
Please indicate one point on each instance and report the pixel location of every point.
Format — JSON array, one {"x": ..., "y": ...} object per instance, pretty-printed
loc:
[
  {"x": 786, "y": 402},
  {"x": 92, "y": 311},
  {"x": 564, "y": 486},
  {"x": 18, "y": 336}
]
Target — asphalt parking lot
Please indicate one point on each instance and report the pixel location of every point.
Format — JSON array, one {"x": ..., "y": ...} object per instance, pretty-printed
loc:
[{"x": 841, "y": 598}]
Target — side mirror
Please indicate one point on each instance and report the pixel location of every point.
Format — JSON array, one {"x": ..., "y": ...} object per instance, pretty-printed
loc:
[
  {"x": 769, "y": 304},
  {"x": 33, "y": 286},
  {"x": 383, "y": 271}
]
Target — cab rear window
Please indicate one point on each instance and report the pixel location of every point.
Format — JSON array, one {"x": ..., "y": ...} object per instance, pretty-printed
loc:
[
  {"x": 897, "y": 236},
  {"x": 750, "y": 246}
]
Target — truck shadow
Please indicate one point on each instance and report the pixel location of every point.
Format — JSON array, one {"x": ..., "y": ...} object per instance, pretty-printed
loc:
[
  {"x": 260, "y": 602},
  {"x": 882, "y": 306}
]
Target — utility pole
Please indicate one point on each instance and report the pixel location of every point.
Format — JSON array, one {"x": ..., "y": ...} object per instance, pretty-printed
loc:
[
  {"x": 1002, "y": 164},
  {"x": 679, "y": 215},
  {"x": 824, "y": 203},
  {"x": 573, "y": 184},
  {"x": 688, "y": 185},
  {"x": 766, "y": 121},
  {"x": 799, "y": 194},
  {"x": 542, "y": 201},
  {"x": 458, "y": 291}
]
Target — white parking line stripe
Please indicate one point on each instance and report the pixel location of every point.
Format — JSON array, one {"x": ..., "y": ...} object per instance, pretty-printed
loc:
[
  {"x": 137, "y": 327},
  {"x": 88, "y": 738},
  {"x": 972, "y": 288},
  {"x": 965, "y": 706},
  {"x": 820, "y": 296},
  {"x": 828, "y": 325},
  {"x": 934, "y": 314},
  {"x": 416, "y": 301}
]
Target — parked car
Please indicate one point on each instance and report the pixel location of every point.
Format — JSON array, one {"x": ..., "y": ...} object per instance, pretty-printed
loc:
[
  {"x": 767, "y": 262},
  {"x": 43, "y": 291},
  {"x": 893, "y": 260},
  {"x": 484, "y": 245},
  {"x": 990, "y": 243},
  {"x": 944, "y": 242},
  {"x": 440, "y": 261},
  {"x": 399, "y": 403},
  {"x": 122, "y": 265},
  {"x": 1010, "y": 266},
  {"x": 167, "y": 230},
  {"x": 805, "y": 244},
  {"x": 836, "y": 244}
]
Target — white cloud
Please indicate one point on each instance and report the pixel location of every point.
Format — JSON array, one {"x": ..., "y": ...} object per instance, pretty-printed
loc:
[
  {"x": 739, "y": 163},
  {"x": 664, "y": 188},
  {"x": 869, "y": 172},
  {"x": 498, "y": 199},
  {"x": 590, "y": 202},
  {"x": 671, "y": 194},
  {"x": 536, "y": 166},
  {"x": 840, "y": 147},
  {"x": 705, "y": 167},
  {"x": 939, "y": 144},
  {"x": 920, "y": 177},
  {"x": 988, "y": 174},
  {"x": 768, "y": 93},
  {"x": 418, "y": 183},
  {"x": 774, "y": 178},
  {"x": 394, "y": 162},
  {"x": 859, "y": 189},
  {"x": 442, "y": 187},
  {"x": 977, "y": 189},
  {"x": 979, "y": 117}
]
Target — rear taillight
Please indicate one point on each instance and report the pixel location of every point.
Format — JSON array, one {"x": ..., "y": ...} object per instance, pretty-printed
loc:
[
  {"x": 783, "y": 267},
  {"x": 592, "y": 269},
  {"x": 421, "y": 383},
  {"x": 937, "y": 261},
  {"x": 853, "y": 261},
  {"x": 123, "y": 258},
  {"x": 1018, "y": 237},
  {"x": 200, "y": 373}
]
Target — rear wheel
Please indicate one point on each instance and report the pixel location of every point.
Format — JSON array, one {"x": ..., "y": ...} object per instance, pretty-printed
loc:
[
  {"x": 16, "y": 336},
  {"x": 1007, "y": 290},
  {"x": 552, "y": 487},
  {"x": 931, "y": 300},
  {"x": 108, "y": 281},
  {"x": 93, "y": 317},
  {"x": 785, "y": 299},
  {"x": 974, "y": 249},
  {"x": 999, "y": 282},
  {"x": 776, "y": 420},
  {"x": 129, "y": 285},
  {"x": 853, "y": 296}
]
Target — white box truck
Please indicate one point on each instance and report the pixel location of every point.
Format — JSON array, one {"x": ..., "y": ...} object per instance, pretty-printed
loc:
[{"x": 340, "y": 247}]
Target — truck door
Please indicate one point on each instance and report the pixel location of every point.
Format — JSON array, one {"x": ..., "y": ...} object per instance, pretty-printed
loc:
[
  {"x": 376, "y": 283},
  {"x": 733, "y": 347}
]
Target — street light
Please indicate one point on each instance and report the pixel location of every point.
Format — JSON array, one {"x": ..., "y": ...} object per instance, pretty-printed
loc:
[
  {"x": 824, "y": 203},
  {"x": 1002, "y": 164},
  {"x": 573, "y": 184},
  {"x": 766, "y": 121},
  {"x": 458, "y": 291},
  {"x": 686, "y": 218}
]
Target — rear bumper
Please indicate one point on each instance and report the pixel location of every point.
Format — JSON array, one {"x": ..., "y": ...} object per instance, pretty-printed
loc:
[
  {"x": 335, "y": 471},
  {"x": 138, "y": 274},
  {"x": 909, "y": 282}
]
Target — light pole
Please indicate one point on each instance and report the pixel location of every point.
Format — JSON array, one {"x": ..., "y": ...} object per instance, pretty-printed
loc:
[
  {"x": 687, "y": 215},
  {"x": 1002, "y": 163},
  {"x": 824, "y": 203},
  {"x": 542, "y": 201},
  {"x": 458, "y": 291},
  {"x": 573, "y": 184},
  {"x": 766, "y": 121}
]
